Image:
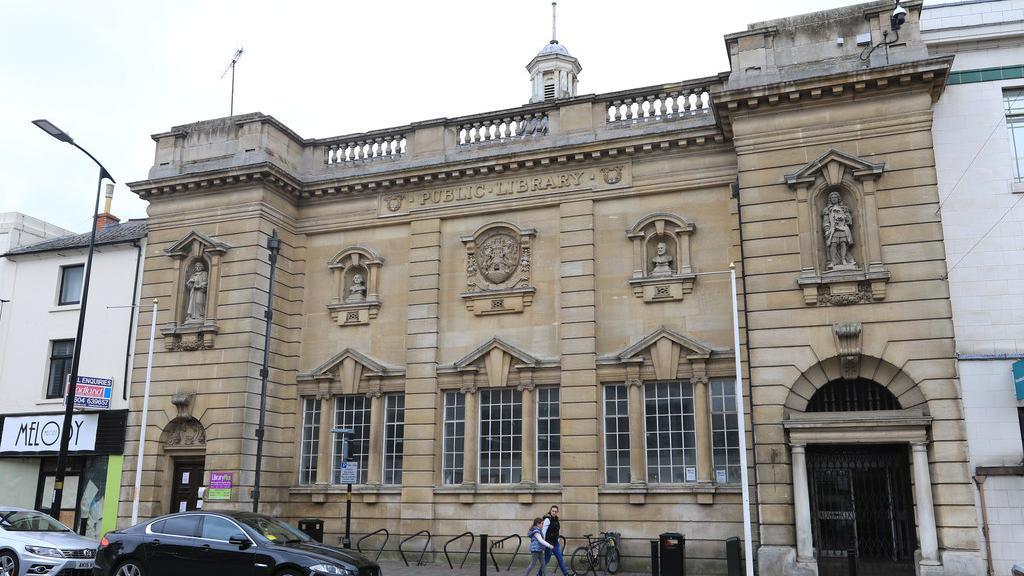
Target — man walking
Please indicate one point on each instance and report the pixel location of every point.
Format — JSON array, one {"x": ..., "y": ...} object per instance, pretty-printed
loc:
[{"x": 551, "y": 530}]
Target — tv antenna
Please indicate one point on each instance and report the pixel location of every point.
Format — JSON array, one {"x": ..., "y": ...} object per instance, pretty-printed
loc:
[{"x": 231, "y": 67}]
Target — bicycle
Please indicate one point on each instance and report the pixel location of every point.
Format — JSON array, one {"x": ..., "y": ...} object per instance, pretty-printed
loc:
[{"x": 587, "y": 558}]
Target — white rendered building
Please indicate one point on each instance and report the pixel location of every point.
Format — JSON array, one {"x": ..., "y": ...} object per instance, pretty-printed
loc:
[
  {"x": 42, "y": 282},
  {"x": 979, "y": 158}
]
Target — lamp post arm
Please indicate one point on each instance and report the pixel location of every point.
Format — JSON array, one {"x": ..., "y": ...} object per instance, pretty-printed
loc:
[{"x": 104, "y": 173}]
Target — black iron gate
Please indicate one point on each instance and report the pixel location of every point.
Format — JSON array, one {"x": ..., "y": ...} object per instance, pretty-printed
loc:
[{"x": 861, "y": 504}]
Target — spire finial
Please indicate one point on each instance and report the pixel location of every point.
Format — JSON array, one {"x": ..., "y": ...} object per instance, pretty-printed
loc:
[{"x": 554, "y": 36}]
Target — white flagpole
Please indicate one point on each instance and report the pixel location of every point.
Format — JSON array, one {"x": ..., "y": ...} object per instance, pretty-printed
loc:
[
  {"x": 145, "y": 413},
  {"x": 741, "y": 421}
]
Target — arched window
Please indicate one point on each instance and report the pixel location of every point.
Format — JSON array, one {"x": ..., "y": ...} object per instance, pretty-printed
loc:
[{"x": 852, "y": 396}]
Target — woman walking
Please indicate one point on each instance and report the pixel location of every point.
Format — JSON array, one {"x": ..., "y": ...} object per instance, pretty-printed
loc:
[
  {"x": 537, "y": 546},
  {"x": 552, "y": 528}
]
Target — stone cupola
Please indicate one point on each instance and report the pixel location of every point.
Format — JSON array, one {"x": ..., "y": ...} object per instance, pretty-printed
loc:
[{"x": 553, "y": 70}]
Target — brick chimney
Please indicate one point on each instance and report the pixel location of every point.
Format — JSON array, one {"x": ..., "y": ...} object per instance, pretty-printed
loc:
[{"x": 105, "y": 218}]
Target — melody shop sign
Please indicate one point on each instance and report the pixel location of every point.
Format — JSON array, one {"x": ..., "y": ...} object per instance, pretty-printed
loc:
[{"x": 41, "y": 433}]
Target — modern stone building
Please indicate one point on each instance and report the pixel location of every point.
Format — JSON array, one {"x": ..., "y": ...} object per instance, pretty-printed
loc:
[
  {"x": 531, "y": 306},
  {"x": 981, "y": 182}
]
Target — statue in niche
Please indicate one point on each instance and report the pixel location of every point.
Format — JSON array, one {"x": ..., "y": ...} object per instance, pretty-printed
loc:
[
  {"x": 837, "y": 224},
  {"x": 357, "y": 291},
  {"x": 662, "y": 261},
  {"x": 498, "y": 258},
  {"x": 197, "y": 284}
]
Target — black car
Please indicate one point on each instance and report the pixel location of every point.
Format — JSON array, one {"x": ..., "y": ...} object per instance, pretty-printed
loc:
[{"x": 202, "y": 543}]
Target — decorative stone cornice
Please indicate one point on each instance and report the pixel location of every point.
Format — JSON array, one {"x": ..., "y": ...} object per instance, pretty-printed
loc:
[{"x": 930, "y": 73}]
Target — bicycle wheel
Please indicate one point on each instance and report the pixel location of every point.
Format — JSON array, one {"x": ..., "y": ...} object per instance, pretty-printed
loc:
[
  {"x": 580, "y": 563},
  {"x": 611, "y": 559}
]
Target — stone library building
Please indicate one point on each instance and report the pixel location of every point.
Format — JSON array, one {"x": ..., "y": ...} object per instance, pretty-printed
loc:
[{"x": 532, "y": 306}]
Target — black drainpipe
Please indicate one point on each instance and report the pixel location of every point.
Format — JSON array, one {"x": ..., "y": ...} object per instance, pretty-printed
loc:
[
  {"x": 132, "y": 315},
  {"x": 746, "y": 328}
]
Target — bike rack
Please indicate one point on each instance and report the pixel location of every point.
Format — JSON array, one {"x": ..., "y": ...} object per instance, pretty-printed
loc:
[
  {"x": 472, "y": 539},
  {"x": 387, "y": 536},
  {"x": 501, "y": 544},
  {"x": 419, "y": 562}
]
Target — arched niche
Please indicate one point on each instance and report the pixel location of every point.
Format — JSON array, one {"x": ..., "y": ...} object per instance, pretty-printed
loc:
[
  {"x": 355, "y": 279},
  {"x": 862, "y": 278},
  {"x": 661, "y": 257},
  {"x": 193, "y": 308}
]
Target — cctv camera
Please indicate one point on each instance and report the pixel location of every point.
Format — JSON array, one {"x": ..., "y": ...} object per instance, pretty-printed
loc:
[{"x": 899, "y": 16}]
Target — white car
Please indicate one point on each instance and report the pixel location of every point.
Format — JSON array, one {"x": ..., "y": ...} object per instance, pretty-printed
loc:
[{"x": 34, "y": 544}]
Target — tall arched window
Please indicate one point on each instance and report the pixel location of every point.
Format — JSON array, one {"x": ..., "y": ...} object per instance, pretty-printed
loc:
[{"x": 852, "y": 396}]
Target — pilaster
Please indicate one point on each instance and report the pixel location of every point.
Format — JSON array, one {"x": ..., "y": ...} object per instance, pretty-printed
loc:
[
  {"x": 578, "y": 350},
  {"x": 421, "y": 414}
]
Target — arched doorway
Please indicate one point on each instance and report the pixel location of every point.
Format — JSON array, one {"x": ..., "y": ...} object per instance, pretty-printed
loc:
[{"x": 862, "y": 509}]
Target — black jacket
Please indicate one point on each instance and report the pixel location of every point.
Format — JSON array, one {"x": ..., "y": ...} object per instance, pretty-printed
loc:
[{"x": 551, "y": 536}]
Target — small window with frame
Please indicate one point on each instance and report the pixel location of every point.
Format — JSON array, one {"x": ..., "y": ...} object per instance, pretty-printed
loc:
[
  {"x": 61, "y": 354},
  {"x": 71, "y": 279}
]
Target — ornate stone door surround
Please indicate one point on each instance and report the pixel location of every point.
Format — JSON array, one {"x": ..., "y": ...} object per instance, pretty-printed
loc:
[{"x": 908, "y": 426}]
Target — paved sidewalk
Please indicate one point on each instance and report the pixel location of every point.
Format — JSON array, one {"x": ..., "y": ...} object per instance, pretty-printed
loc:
[{"x": 397, "y": 568}]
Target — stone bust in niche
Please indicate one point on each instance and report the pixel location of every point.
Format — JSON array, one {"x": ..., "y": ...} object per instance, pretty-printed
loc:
[
  {"x": 662, "y": 261},
  {"x": 198, "y": 281},
  {"x": 837, "y": 227},
  {"x": 357, "y": 291}
]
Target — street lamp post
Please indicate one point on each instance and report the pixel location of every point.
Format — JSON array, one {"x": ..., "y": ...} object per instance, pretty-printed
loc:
[
  {"x": 65, "y": 439},
  {"x": 273, "y": 247}
]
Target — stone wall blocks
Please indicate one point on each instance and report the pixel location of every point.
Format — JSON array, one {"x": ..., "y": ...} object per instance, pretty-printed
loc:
[
  {"x": 573, "y": 223},
  {"x": 579, "y": 362},
  {"x": 582, "y": 207},
  {"x": 576, "y": 238},
  {"x": 576, "y": 268}
]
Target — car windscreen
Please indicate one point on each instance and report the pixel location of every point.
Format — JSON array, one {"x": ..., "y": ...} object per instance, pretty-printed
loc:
[
  {"x": 274, "y": 530},
  {"x": 22, "y": 521}
]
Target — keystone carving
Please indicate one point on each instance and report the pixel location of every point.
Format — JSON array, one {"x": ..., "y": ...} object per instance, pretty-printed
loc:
[{"x": 848, "y": 345}]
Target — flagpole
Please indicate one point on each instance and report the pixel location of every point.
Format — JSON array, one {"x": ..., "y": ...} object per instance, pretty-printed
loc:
[
  {"x": 145, "y": 413},
  {"x": 742, "y": 425}
]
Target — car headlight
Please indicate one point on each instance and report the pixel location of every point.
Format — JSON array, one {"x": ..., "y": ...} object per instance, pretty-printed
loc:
[
  {"x": 43, "y": 551},
  {"x": 332, "y": 569}
]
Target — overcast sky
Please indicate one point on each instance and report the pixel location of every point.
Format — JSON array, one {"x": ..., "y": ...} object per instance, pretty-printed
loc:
[{"x": 113, "y": 73}]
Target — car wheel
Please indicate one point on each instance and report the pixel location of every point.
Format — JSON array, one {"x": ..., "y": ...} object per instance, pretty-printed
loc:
[
  {"x": 288, "y": 573},
  {"x": 8, "y": 564},
  {"x": 130, "y": 568}
]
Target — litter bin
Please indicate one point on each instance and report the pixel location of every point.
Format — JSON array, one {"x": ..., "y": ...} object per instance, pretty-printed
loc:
[
  {"x": 312, "y": 527},
  {"x": 672, "y": 550},
  {"x": 732, "y": 556}
]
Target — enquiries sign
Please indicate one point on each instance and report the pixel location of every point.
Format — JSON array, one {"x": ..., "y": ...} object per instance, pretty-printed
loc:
[
  {"x": 41, "y": 433},
  {"x": 93, "y": 393},
  {"x": 1018, "y": 378}
]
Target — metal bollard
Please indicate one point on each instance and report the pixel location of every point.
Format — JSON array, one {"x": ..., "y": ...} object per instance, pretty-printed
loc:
[
  {"x": 483, "y": 555},
  {"x": 851, "y": 557},
  {"x": 655, "y": 565}
]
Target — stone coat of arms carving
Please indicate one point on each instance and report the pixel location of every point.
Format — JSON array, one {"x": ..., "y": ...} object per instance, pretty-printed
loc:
[{"x": 498, "y": 268}]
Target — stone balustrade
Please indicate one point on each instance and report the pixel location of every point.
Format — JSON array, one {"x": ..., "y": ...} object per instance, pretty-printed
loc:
[
  {"x": 667, "y": 103},
  {"x": 257, "y": 138},
  {"x": 503, "y": 129},
  {"x": 362, "y": 149}
]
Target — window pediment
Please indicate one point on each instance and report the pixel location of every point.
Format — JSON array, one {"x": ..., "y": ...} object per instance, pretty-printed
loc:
[
  {"x": 832, "y": 166},
  {"x": 665, "y": 348},
  {"x": 496, "y": 358},
  {"x": 351, "y": 368}
]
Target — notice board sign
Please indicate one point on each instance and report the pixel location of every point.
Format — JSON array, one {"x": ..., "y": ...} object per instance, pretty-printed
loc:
[{"x": 220, "y": 486}]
